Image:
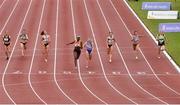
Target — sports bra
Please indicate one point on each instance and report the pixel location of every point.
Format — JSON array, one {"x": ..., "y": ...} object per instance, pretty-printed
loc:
[
  {"x": 23, "y": 37},
  {"x": 45, "y": 38}
]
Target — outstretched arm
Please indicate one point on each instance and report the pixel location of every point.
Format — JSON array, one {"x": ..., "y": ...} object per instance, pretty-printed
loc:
[{"x": 70, "y": 43}]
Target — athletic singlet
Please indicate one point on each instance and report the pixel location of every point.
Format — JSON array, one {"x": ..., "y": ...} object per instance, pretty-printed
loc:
[
  {"x": 110, "y": 40},
  {"x": 45, "y": 39},
  {"x": 161, "y": 39},
  {"x": 135, "y": 39},
  {"x": 23, "y": 37},
  {"x": 6, "y": 39},
  {"x": 89, "y": 45}
]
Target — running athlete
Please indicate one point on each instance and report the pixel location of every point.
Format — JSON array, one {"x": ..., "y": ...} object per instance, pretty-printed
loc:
[
  {"x": 135, "y": 42},
  {"x": 6, "y": 42},
  {"x": 23, "y": 38},
  {"x": 110, "y": 42},
  {"x": 89, "y": 48},
  {"x": 45, "y": 42},
  {"x": 77, "y": 49},
  {"x": 161, "y": 43}
]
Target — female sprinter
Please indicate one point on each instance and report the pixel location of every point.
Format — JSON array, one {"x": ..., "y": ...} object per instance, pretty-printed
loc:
[
  {"x": 89, "y": 48},
  {"x": 135, "y": 42},
  {"x": 23, "y": 37},
  {"x": 6, "y": 42},
  {"x": 161, "y": 43},
  {"x": 45, "y": 42},
  {"x": 110, "y": 42},
  {"x": 77, "y": 49}
]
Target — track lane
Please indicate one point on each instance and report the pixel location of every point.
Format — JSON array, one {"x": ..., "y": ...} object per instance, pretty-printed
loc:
[
  {"x": 55, "y": 54},
  {"x": 48, "y": 91},
  {"x": 68, "y": 77},
  {"x": 1, "y": 3},
  {"x": 12, "y": 75},
  {"x": 4, "y": 12},
  {"x": 4, "y": 17},
  {"x": 154, "y": 83}
]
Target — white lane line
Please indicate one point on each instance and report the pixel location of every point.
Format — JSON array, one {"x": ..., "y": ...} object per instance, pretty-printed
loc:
[
  {"x": 151, "y": 66},
  {"x": 151, "y": 35},
  {"x": 32, "y": 60},
  {"x": 119, "y": 51},
  {"x": 125, "y": 62},
  {"x": 146, "y": 58},
  {"x": 7, "y": 65},
  {"x": 79, "y": 69},
  {"x": 2, "y": 4},
  {"x": 55, "y": 57},
  {"x": 9, "y": 17},
  {"x": 102, "y": 66}
]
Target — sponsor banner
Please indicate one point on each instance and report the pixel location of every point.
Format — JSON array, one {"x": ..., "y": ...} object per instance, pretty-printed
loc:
[
  {"x": 169, "y": 27},
  {"x": 162, "y": 15},
  {"x": 156, "y": 6}
]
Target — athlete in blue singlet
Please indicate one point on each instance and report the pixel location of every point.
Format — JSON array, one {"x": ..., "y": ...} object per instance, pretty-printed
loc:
[{"x": 88, "y": 45}]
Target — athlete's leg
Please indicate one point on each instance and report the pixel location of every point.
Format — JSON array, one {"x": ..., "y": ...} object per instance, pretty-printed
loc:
[
  {"x": 159, "y": 51},
  {"x": 110, "y": 53},
  {"x": 46, "y": 52},
  {"x": 22, "y": 48},
  {"x": 7, "y": 51},
  {"x": 75, "y": 58},
  {"x": 137, "y": 50}
]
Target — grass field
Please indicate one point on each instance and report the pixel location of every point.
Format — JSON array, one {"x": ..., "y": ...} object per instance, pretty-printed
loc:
[{"x": 173, "y": 45}]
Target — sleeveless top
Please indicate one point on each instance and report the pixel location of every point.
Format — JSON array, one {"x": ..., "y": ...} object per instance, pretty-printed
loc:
[
  {"x": 89, "y": 45},
  {"x": 161, "y": 39},
  {"x": 23, "y": 37},
  {"x": 110, "y": 40},
  {"x": 135, "y": 39}
]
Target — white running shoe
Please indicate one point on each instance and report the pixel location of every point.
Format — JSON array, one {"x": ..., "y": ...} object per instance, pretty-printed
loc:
[
  {"x": 136, "y": 57},
  {"x": 45, "y": 60},
  {"x": 110, "y": 61}
]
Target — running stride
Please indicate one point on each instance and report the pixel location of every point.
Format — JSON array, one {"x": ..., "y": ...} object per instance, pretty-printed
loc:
[
  {"x": 77, "y": 49},
  {"x": 23, "y": 38},
  {"x": 45, "y": 42},
  {"x": 135, "y": 42},
  {"x": 110, "y": 43},
  {"x": 89, "y": 48},
  {"x": 7, "y": 42},
  {"x": 161, "y": 43}
]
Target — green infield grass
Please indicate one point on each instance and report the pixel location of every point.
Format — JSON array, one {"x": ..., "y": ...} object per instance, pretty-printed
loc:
[{"x": 173, "y": 45}]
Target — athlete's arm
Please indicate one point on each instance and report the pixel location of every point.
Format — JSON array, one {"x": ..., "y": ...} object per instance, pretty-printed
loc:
[{"x": 70, "y": 43}]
